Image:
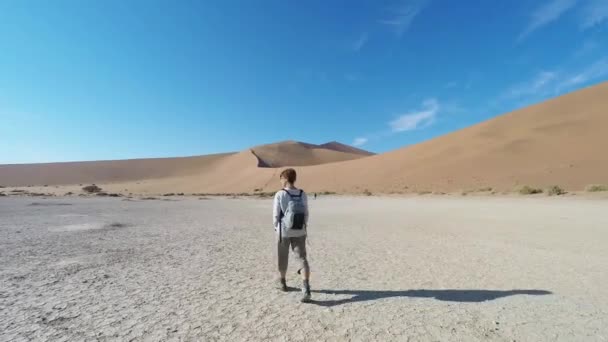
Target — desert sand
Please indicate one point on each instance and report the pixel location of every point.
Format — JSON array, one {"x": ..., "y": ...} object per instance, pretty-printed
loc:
[
  {"x": 559, "y": 142},
  {"x": 383, "y": 269}
]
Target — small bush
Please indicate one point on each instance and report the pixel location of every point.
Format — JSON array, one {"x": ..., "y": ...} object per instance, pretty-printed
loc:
[
  {"x": 180, "y": 194},
  {"x": 424, "y": 192},
  {"x": 169, "y": 194},
  {"x": 367, "y": 192},
  {"x": 486, "y": 189},
  {"x": 597, "y": 188},
  {"x": 257, "y": 190},
  {"x": 2, "y": 194},
  {"x": 69, "y": 193},
  {"x": 527, "y": 190},
  {"x": 102, "y": 194},
  {"x": 266, "y": 194},
  {"x": 555, "y": 191},
  {"x": 327, "y": 193},
  {"x": 91, "y": 189}
]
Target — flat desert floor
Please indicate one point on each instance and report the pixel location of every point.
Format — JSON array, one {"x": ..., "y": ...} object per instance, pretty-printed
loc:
[{"x": 384, "y": 269}]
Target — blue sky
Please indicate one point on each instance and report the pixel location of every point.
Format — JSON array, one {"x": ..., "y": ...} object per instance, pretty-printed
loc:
[{"x": 115, "y": 79}]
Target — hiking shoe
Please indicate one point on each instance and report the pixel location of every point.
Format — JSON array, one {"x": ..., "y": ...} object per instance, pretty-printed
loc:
[
  {"x": 305, "y": 295},
  {"x": 283, "y": 285}
]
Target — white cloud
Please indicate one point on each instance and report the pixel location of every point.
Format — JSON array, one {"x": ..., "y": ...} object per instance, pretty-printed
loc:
[
  {"x": 594, "y": 13},
  {"x": 402, "y": 17},
  {"x": 546, "y": 14},
  {"x": 360, "y": 142},
  {"x": 360, "y": 42},
  {"x": 552, "y": 83},
  {"x": 595, "y": 72},
  {"x": 418, "y": 119},
  {"x": 540, "y": 84}
]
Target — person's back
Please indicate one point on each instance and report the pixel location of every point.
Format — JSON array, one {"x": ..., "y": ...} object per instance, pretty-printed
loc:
[{"x": 290, "y": 218}]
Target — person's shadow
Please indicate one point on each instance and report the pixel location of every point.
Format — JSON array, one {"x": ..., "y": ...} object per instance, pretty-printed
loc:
[{"x": 463, "y": 296}]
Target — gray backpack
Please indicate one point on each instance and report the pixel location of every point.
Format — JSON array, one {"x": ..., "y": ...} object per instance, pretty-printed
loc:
[{"x": 295, "y": 214}]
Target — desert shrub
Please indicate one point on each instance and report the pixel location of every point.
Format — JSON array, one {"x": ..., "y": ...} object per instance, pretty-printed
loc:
[
  {"x": 180, "y": 194},
  {"x": 102, "y": 194},
  {"x": 91, "y": 189},
  {"x": 266, "y": 194},
  {"x": 528, "y": 190},
  {"x": 555, "y": 191},
  {"x": 69, "y": 193},
  {"x": 169, "y": 194},
  {"x": 2, "y": 194},
  {"x": 116, "y": 225},
  {"x": 367, "y": 192},
  {"x": 424, "y": 192},
  {"x": 114, "y": 195},
  {"x": 327, "y": 193},
  {"x": 486, "y": 189},
  {"x": 257, "y": 190},
  {"x": 597, "y": 188}
]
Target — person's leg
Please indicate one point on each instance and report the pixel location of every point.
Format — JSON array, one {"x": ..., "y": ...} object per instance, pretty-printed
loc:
[
  {"x": 299, "y": 248},
  {"x": 283, "y": 259}
]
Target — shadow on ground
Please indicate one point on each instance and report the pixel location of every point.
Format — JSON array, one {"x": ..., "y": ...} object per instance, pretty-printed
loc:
[{"x": 463, "y": 296}]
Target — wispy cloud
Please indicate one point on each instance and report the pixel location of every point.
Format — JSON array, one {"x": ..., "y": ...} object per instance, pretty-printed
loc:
[
  {"x": 540, "y": 84},
  {"x": 595, "y": 72},
  {"x": 594, "y": 13},
  {"x": 552, "y": 83},
  {"x": 546, "y": 14},
  {"x": 360, "y": 42},
  {"x": 418, "y": 119},
  {"x": 402, "y": 16},
  {"x": 360, "y": 142}
]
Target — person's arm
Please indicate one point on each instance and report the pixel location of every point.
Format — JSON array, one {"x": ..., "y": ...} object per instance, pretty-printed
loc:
[
  {"x": 276, "y": 211},
  {"x": 305, "y": 201}
]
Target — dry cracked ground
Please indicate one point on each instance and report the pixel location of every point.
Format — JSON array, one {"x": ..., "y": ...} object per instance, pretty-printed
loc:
[{"x": 384, "y": 269}]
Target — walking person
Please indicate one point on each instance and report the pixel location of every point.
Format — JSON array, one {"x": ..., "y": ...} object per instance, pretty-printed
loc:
[{"x": 290, "y": 218}]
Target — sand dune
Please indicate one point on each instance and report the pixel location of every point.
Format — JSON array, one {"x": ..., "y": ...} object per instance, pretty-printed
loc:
[
  {"x": 293, "y": 153},
  {"x": 559, "y": 142},
  {"x": 104, "y": 171}
]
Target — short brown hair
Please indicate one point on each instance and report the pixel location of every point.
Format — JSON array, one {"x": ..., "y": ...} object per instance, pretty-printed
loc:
[{"x": 290, "y": 175}]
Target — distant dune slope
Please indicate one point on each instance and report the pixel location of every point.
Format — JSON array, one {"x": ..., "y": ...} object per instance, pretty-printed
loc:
[
  {"x": 104, "y": 171},
  {"x": 293, "y": 153},
  {"x": 336, "y": 146},
  {"x": 563, "y": 141}
]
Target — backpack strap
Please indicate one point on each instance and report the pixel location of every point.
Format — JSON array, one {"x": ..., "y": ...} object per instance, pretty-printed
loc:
[{"x": 292, "y": 196}]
